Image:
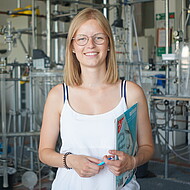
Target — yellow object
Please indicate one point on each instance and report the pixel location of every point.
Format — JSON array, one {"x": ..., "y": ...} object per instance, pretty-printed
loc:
[
  {"x": 25, "y": 79},
  {"x": 23, "y": 11}
]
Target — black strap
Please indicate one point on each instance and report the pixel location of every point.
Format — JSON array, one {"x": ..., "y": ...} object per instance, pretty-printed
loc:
[
  {"x": 64, "y": 93},
  {"x": 123, "y": 90},
  {"x": 125, "y": 96},
  {"x": 65, "y": 90}
]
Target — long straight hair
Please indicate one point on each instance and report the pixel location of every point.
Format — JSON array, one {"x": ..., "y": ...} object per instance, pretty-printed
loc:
[{"x": 72, "y": 70}]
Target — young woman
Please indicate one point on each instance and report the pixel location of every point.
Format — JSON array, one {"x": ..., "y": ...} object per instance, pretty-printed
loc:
[{"x": 83, "y": 110}]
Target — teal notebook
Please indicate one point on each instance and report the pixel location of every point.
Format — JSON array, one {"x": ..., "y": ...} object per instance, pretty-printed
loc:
[{"x": 126, "y": 140}]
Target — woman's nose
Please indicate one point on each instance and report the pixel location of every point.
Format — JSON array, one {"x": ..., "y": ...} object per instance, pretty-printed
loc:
[{"x": 90, "y": 42}]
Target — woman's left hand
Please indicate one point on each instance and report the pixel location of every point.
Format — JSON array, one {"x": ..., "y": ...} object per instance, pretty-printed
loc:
[{"x": 123, "y": 164}]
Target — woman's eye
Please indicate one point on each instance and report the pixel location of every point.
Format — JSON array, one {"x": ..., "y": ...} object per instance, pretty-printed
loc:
[
  {"x": 99, "y": 38},
  {"x": 81, "y": 39}
]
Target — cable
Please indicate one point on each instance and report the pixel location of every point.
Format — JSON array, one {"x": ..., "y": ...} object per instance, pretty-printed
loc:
[{"x": 171, "y": 148}]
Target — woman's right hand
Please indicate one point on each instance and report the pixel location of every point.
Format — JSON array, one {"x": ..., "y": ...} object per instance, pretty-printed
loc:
[{"x": 85, "y": 166}]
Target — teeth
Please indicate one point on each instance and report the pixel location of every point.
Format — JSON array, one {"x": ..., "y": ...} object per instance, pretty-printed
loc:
[{"x": 91, "y": 53}]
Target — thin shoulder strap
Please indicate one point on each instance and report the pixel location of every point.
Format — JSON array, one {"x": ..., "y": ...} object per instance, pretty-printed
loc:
[
  {"x": 65, "y": 90},
  {"x": 123, "y": 90}
]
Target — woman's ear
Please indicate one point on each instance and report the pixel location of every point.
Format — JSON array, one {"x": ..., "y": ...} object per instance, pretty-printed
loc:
[{"x": 73, "y": 49}]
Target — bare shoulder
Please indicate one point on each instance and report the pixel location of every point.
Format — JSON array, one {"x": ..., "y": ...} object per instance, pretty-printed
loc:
[
  {"x": 134, "y": 93},
  {"x": 55, "y": 98},
  {"x": 134, "y": 89},
  {"x": 56, "y": 91}
]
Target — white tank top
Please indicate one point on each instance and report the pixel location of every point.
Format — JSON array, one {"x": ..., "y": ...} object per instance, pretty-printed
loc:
[{"x": 91, "y": 135}]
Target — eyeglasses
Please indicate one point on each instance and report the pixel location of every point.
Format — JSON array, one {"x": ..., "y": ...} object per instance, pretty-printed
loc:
[{"x": 82, "y": 39}]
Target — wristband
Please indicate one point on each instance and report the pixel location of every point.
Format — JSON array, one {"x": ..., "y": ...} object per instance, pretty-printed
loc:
[{"x": 64, "y": 160}]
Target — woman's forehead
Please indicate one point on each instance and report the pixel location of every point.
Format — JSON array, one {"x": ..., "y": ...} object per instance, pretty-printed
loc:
[{"x": 90, "y": 27}]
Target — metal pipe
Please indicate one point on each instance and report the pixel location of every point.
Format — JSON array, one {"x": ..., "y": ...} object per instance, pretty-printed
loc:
[
  {"x": 183, "y": 18},
  {"x": 63, "y": 15},
  {"x": 15, "y": 107},
  {"x": 137, "y": 1},
  {"x": 138, "y": 49},
  {"x": 23, "y": 46},
  {"x": 86, "y": 3},
  {"x": 167, "y": 89},
  {"x": 166, "y": 141},
  {"x": 181, "y": 130},
  {"x": 105, "y": 11},
  {"x": 48, "y": 23},
  {"x": 9, "y": 36},
  {"x": 31, "y": 118},
  {"x": 33, "y": 25},
  {"x": 167, "y": 42},
  {"x": 18, "y": 3},
  {"x": 21, "y": 134},
  {"x": 19, "y": 101},
  {"x": 129, "y": 34},
  {"x": 4, "y": 131},
  {"x": 56, "y": 42},
  {"x": 167, "y": 25},
  {"x": 23, "y": 139}
]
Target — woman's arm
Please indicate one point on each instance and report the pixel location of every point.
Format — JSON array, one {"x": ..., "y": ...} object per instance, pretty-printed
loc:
[
  {"x": 144, "y": 131},
  {"x": 144, "y": 134},
  {"x": 50, "y": 128}
]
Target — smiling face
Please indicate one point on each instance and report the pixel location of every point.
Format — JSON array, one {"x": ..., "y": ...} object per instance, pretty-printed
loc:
[
  {"x": 88, "y": 22},
  {"x": 91, "y": 54}
]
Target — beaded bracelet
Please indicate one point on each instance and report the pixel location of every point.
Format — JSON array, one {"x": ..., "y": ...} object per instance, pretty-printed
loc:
[{"x": 64, "y": 160}]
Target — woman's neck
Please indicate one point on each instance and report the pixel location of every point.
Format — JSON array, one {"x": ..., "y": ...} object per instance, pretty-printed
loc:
[{"x": 93, "y": 79}]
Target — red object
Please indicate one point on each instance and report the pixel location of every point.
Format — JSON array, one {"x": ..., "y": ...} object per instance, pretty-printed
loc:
[{"x": 120, "y": 124}]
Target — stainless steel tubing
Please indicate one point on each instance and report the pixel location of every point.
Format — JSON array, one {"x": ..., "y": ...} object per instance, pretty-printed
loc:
[
  {"x": 4, "y": 131},
  {"x": 167, "y": 43},
  {"x": 48, "y": 23},
  {"x": 105, "y": 10},
  {"x": 181, "y": 130},
  {"x": 20, "y": 134},
  {"x": 31, "y": 119},
  {"x": 183, "y": 18},
  {"x": 56, "y": 42},
  {"x": 18, "y": 4},
  {"x": 130, "y": 2},
  {"x": 19, "y": 100},
  {"x": 167, "y": 91},
  {"x": 23, "y": 138},
  {"x": 167, "y": 25},
  {"x": 128, "y": 33},
  {"x": 34, "y": 24},
  {"x": 15, "y": 108}
]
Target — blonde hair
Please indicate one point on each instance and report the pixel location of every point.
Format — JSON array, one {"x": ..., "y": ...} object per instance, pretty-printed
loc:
[{"x": 72, "y": 70}]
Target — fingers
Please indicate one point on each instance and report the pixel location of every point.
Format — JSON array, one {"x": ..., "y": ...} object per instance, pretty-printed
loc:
[
  {"x": 87, "y": 166},
  {"x": 89, "y": 170},
  {"x": 120, "y": 154},
  {"x": 123, "y": 164},
  {"x": 94, "y": 160},
  {"x": 109, "y": 160}
]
